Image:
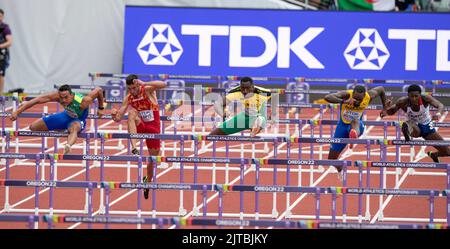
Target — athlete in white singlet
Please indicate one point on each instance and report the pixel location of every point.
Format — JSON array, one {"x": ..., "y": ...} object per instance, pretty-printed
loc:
[{"x": 420, "y": 122}]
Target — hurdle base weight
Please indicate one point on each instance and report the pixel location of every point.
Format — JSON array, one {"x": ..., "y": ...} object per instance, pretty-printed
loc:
[
  {"x": 367, "y": 216},
  {"x": 7, "y": 207},
  {"x": 182, "y": 211},
  {"x": 288, "y": 213},
  {"x": 275, "y": 213}
]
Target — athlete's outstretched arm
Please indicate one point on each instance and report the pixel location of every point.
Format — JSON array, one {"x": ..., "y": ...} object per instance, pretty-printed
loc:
[
  {"x": 392, "y": 109},
  {"x": 41, "y": 99},
  {"x": 154, "y": 85},
  {"x": 118, "y": 114},
  {"x": 97, "y": 93},
  {"x": 337, "y": 98},
  {"x": 379, "y": 91},
  {"x": 436, "y": 103}
]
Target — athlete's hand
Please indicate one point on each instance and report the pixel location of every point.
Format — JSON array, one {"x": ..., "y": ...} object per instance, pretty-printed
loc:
[
  {"x": 436, "y": 116},
  {"x": 383, "y": 113},
  {"x": 257, "y": 126},
  {"x": 115, "y": 115},
  {"x": 13, "y": 116}
]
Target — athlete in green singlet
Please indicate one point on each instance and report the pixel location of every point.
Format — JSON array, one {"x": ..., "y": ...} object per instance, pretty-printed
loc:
[{"x": 72, "y": 119}]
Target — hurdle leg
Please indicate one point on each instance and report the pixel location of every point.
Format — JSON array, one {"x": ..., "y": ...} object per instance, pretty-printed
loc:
[
  {"x": 43, "y": 146},
  {"x": 317, "y": 195},
  {"x": 128, "y": 162},
  {"x": 163, "y": 142},
  {"x": 16, "y": 123},
  {"x": 257, "y": 193},
  {"x": 274, "y": 206},
  {"x": 55, "y": 151},
  {"x": 242, "y": 146},
  {"x": 300, "y": 156},
  {"x": 2, "y": 103},
  {"x": 213, "y": 180},
  {"x": 383, "y": 175},
  {"x": 241, "y": 194},
  {"x": 398, "y": 149},
  {"x": 139, "y": 192},
  {"x": 288, "y": 177},
  {"x": 311, "y": 156},
  {"x": 181, "y": 209},
  {"x": 36, "y": 192},
  {"x": 227, "y": 165},
  {"x": 52, "y": 168},
  {"x": 431, "y": 198},
  {"x": 101, "y": 208},
  {"x": 195, "y": 209},
  {"x": 87, "y": 178},
  {"x": 367, "y": 214},
  {"x": 344, "y": 195},
  {"x": 321, "y": 169},
  {"x": 7, "y": 205},
  {"x": 360, "y": 175},
  {"x": 155, "y": 166}
]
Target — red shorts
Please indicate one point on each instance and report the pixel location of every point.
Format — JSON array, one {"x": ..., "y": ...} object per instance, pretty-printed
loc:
[{"x": 150, "y": 127}]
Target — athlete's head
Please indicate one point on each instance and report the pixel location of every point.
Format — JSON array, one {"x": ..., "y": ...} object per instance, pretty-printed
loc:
[
  {"x": 133, "y": 86},
  {"x": 65, "y": 95},
  {"x": 414, "y": 92},
  {"x": 247, "y": 86},
  {"x": 359, "y": 92}
]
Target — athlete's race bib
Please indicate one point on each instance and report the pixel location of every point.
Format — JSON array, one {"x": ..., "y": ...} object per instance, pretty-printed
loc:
[
  {"x": 147, "y": 116},
  {"x": 349, "y": 115}
]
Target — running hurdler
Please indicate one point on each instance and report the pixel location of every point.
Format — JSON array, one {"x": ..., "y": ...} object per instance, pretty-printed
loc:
[
  {"x": 72, "y": 119},
  {"x": 419, "y": 121},
  {"x": 254, "y": 117},
  {"x": 352, "y": 105},
  {"x": 143, "y": 117}
]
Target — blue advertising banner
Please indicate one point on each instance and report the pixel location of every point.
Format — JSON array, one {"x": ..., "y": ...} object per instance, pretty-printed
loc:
[{"x": 285, "y": 43}]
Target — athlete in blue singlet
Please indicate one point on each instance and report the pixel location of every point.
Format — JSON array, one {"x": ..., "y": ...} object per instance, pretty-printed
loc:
[
  {"x": 73, "y": 118},
  {"x": 350, "y": 125},
  {"x": 419, "y": 121}
]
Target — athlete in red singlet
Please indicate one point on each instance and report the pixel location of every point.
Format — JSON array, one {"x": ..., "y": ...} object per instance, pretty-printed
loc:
[{"x": 143, "y": 117}]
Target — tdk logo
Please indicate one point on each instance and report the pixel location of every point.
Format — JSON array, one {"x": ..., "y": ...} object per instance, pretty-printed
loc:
[
  {"x": 279, "y": 45},
  {"x": 366, "y": 50},
  {"x": 160, "y": 46}
]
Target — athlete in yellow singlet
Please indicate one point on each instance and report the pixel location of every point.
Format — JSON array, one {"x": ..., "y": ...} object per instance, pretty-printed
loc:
[
  {"x": 254, "y": 103},
  {"x": 353, "y": 103}
]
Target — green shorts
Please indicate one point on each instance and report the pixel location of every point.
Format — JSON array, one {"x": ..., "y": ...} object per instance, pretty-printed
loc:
[{"x": 239, "y": 123}]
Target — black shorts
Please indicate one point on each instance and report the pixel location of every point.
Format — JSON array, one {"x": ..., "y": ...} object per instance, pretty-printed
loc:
[
  {"x": 3, "y": 67},
  {"x": 4, "y": 63}
]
